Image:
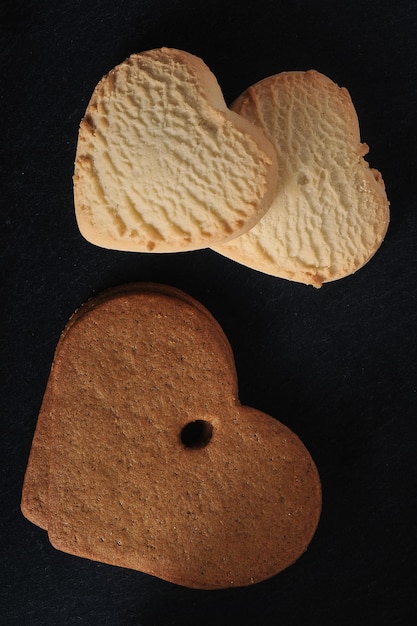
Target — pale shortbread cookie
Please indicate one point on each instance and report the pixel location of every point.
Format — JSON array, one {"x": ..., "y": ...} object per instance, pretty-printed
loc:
[
  {"x": 162, "y": 164},
  {"x": 152, "y": 462},
  {"x": 330, "y": 213}
]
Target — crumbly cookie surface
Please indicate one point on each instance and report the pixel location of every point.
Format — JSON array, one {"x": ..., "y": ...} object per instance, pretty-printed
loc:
[
  {"x": 330, "y": 213},
  {"x": 162, "y": 164}
]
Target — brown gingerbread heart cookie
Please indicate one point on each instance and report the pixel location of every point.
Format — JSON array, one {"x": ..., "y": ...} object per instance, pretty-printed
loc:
[{"x": 146, "y": 458}]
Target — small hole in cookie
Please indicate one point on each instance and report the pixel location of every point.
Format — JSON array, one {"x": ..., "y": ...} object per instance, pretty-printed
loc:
[{"x": 196, "y": 434}]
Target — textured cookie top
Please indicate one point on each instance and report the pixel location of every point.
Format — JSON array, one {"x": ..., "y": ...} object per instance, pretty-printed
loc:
[
  {"x": 162, "y": 165},
  {"x": 152, "y": 462},
  {"x": 330, "y": 213}
]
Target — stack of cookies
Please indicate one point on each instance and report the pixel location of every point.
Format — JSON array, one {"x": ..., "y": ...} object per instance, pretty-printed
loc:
[
  {"x": 143, "y": 456},
  {"x": 278, "y": 182}
]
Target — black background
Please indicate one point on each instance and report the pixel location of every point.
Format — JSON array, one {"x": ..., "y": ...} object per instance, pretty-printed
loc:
[{"x": 337, "y": 365}]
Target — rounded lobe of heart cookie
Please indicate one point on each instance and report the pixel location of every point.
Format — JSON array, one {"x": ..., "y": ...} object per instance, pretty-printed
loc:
[
  {"x": 162, "y": 165},
  {"x": 154, "y": 464}
]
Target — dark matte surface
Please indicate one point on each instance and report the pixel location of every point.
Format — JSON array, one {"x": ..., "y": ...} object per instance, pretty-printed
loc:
[{"x": 337, "y": 365}]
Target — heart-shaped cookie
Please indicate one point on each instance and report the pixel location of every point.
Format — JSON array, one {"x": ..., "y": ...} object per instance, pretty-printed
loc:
[
  {"x": 330, "y": 212},
  {"x": 162, "y": 164},
  {"x": 153, "y": 463}
]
